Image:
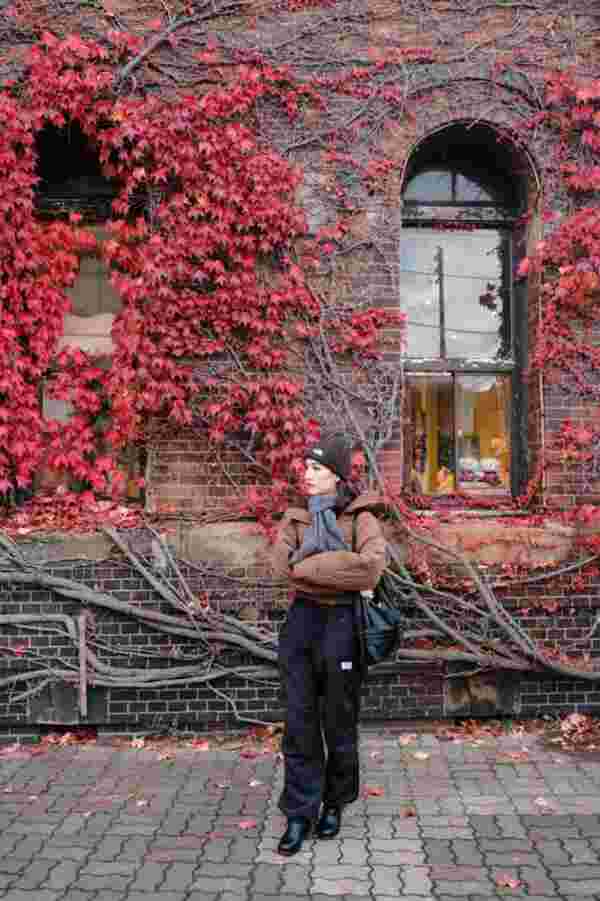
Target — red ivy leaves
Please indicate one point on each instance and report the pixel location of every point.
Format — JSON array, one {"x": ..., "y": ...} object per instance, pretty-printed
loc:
[{"x": 190, "y": 273}]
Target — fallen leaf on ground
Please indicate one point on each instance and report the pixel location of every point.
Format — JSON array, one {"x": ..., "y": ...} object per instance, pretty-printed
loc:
[
  {"x": 7, "y": 750},
  {"x": 408, "y": 811},
  {"x": 138, "y": 743},
  {"x": 247, "y": 824},
  {"x": 374, "y": 791},
  {"x": 200, "y": 744},
  {"x": 421, "y": 755},
  {"x": 407, "y": 739},
  {"x": 503, "y": 880},
  {"x": 518, "y": 755}
]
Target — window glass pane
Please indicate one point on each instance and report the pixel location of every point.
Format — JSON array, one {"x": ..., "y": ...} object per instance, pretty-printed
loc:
[
  {"x": 452, "y": 291},
  {"x": 432, "y": 436},
  {"x": 430, "y": 187},
  {"x": 459, "y": 437},
  {"x": 470, "y": 190},
  {"x": 482, "y": 416}
]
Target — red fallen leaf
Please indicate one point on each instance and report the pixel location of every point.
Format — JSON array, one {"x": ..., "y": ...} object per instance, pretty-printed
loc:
[
  {"x": 7, "y": 750},
  {"x": 247, "y": 824},
  {"x": 200, "y": 744},
  {"x": 408, "y": 811},
  {"x": 518, "y": 755},
  {"x": 505, "y": 881},
  {"x": 375, "y": 791}
]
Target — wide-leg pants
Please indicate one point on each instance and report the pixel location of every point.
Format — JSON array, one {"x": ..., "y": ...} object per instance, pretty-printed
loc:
[{"x": 321, "y": 680}]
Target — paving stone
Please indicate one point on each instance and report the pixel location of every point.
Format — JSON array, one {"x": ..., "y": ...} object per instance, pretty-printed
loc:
[
  {"x": 341, "y": 871},
  {"x": 296, "y": 879},
  {"x": 515, "y": 859},
  {"x": 219, "y": 870},
  {"x": 193, "y": 896},
  {"x": 338, "y": 887},
  {"x": 537, "y": 881},
  {"x": 396, "y": 858},
  {"x": 77, "y": 895},
  {"x": 37, "y": 827},
  {"x": 455, "y": 873},
  {"x": 396, "y": 844},
  {"x": 162, "y": 896},
  {"x": 387, "y": 881},
  {"x": 582, "y": 887},
  {"x": 96, "y": 883},
  {"x": 63, "y": 875},
  {"x": 463, "y": 888},
  {"x": 53, "y": 852},
  {"x": 34, "y": 875},
  {"x": 416, "y": 880},
  {"x": 575, "y": 871},
  {"x": 267, "y": 879},
  {"x": 179, "y": 877},
  {"x": 15, "y": 894},
  {"x": 228, "y": 885},
  {"x": 148, "y": 878},
  {"x": 109, "y": 868}
]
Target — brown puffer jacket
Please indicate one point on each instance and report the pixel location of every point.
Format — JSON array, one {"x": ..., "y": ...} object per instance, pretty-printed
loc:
[{"x": 326, "y": 576}]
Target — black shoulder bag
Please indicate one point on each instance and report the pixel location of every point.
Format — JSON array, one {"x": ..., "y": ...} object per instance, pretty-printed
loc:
[{"x": 378, "y": 621}]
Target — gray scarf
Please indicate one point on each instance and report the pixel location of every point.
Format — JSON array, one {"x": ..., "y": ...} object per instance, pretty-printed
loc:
[{"x": 323, "y": 533}]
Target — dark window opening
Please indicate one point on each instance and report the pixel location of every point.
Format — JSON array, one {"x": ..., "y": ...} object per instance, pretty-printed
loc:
[{"x": 70, "y": 175}]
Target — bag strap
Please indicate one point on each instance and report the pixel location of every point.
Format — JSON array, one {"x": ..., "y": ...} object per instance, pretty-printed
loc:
[{"x": 354, "y": 531}]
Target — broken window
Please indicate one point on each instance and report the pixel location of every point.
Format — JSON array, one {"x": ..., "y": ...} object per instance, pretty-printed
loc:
[{"x": 465, "y": 337}]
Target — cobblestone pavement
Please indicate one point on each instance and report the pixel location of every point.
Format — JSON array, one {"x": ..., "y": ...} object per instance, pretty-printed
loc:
[{"x": 99, "y": 823}]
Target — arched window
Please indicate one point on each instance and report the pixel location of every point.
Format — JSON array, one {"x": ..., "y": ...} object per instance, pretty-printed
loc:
[{"x": 465, "y": 191}]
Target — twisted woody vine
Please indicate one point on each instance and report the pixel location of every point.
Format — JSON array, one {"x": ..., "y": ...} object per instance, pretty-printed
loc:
[{"x": 236, "y": 318}]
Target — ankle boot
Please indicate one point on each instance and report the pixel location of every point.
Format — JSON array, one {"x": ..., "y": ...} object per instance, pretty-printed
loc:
[
  {"x": 330, "y": 821},
  {"x": 298, "y": 828}
]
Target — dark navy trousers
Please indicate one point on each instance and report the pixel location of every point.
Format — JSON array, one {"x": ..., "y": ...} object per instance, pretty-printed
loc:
[{"x": 321, "y": 680}]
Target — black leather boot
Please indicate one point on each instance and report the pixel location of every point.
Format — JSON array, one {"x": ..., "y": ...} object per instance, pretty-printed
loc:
[
  {"x": 298, "y": 828},
  {"x": 329, "y": 822}
]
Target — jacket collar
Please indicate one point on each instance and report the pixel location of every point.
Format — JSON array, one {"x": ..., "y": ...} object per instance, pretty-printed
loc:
[{"x": 370, "y": 500}]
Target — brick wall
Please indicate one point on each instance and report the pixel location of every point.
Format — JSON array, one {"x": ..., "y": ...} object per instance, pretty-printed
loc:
[{"x": 403, "y": 690}]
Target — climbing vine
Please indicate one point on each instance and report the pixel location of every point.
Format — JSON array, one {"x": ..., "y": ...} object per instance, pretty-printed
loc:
[{"x": 236, "y": 310}]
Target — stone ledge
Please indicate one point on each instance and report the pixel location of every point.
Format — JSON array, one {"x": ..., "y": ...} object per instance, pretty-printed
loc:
[{"x": 240, "y": 545}]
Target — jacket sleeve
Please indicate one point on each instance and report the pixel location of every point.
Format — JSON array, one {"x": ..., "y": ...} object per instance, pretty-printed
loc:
[
  {"x": 285, "y": 542},
  {"x": 348, "y": 570}
]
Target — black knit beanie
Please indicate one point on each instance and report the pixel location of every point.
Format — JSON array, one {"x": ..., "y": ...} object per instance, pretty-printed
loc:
[{"x": 334, "y": 452}]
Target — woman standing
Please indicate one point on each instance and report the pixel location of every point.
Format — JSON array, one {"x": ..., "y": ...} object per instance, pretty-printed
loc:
[{"x": 318, "y": 648}]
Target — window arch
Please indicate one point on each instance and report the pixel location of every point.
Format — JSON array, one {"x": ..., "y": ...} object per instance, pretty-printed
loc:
[{"x": 465, "y": 192}]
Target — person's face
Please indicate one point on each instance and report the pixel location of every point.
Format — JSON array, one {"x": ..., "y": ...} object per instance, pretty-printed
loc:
[{"x": 318, "y": 479}]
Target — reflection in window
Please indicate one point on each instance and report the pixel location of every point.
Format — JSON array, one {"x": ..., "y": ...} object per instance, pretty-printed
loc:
[
  {"x": 439, "y": 186},
  {"x": 452, "y": 291},
  {"x": 461, "y": 437}
]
